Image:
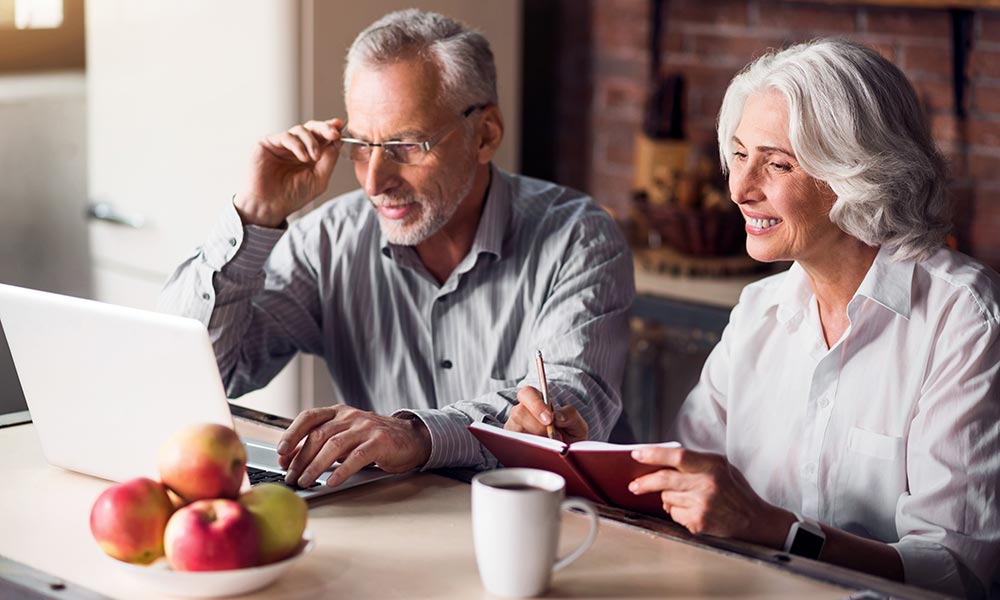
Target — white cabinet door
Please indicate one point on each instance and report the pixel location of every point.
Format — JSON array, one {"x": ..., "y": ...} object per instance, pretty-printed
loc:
[{"x": 178, "y": 92}]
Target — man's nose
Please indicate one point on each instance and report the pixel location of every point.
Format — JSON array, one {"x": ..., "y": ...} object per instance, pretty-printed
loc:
[{"x": 380, "y": 174}]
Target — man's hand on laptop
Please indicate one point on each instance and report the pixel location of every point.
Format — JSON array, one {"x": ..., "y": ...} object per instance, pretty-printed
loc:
[{"x": 319, "y": 437}]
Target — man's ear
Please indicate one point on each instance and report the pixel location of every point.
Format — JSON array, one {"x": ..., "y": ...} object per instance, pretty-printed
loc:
[{"x": 490, "y": 133}]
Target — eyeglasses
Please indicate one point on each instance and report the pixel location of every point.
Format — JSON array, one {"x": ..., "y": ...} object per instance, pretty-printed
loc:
[{"x": 404, "y": 153}]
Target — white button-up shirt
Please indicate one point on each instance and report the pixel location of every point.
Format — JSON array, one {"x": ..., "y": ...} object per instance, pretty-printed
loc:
[{"x": 893, "y": 433}]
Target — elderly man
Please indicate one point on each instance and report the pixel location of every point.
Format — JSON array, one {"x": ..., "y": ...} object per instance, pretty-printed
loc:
[{"x": 428, "y": 290}]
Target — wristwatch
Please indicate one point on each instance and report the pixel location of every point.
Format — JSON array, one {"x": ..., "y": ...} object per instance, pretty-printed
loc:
[{"x": 805, "y": 538}]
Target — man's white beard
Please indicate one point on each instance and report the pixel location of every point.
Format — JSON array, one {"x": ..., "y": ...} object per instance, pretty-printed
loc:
[{"x": 434, "y": 213}]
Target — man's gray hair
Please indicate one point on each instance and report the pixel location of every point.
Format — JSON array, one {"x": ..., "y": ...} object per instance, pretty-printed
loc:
[
  {"x": 463, "y": 55},
  {"x": 855, "y": 123}
]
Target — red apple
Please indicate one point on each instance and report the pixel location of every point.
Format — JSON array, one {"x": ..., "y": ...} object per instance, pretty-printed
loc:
[
  {"x": 203, "y": 461},
  {"x": 281, "y": 519},
  {"x": 128, "y": 519},
  {"x": 211, "y": 535}
]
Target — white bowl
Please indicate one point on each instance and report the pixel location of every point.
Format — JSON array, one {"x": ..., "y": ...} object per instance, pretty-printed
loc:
[{"x": 159, "y": 577}]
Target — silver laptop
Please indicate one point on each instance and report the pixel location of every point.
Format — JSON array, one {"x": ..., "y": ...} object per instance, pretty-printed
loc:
[{"x": 106, "y": 385}]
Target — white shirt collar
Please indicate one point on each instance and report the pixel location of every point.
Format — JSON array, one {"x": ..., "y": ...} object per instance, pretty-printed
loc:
[{"x": 888, "y": 282}]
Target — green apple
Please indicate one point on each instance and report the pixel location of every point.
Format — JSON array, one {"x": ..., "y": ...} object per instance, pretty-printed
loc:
[{"x": 281, "y": 519}]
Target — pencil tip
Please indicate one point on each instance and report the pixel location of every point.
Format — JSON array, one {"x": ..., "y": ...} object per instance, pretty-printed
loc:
[{"x": 538, "y": 353}]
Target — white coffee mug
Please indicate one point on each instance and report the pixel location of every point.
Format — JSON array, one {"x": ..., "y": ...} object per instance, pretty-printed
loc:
[{"x": 515, "y": 528}]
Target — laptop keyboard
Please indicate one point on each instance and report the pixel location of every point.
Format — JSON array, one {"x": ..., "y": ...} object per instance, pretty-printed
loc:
[{"x": 261, "y": 476}]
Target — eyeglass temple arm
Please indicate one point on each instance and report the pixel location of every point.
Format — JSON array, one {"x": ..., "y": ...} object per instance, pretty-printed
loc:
[{"x": 426, "y": 145}]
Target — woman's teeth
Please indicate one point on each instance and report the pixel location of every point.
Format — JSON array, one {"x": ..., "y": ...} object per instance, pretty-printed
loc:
[{"x": 763, "y": 223}]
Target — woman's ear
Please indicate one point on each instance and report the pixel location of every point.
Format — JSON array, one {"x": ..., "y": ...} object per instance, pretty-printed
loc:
[{"x": 490, "y": 133}]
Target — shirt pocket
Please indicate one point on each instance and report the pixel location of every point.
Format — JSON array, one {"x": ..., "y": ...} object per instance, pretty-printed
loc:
[
  {"x": 874, "y": 444},
  {"x": 871, "y": 480}
]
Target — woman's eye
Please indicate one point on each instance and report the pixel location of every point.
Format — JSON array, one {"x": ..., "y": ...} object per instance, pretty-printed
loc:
[
  {"x": 783, "y": 167},
  {"x": 739, "y": 155}
]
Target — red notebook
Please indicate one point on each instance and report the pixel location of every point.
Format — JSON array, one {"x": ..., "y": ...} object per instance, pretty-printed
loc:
[{"x": 597, "y": 471}]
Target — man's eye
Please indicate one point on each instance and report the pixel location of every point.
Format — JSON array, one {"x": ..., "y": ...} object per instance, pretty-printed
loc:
[
  {"x": 739, "y": 155},
  {"x": 407, "y": 149},
  {"x": 354, "y": 149},
  {"x": 784, "y": 167}
]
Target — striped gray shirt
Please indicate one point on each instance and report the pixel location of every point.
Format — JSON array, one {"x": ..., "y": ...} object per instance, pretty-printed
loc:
[{"x": 548, "y": 269}]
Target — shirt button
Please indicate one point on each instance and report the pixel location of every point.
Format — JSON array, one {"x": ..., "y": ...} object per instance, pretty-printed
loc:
[
  {"x": 446, "y": 364},
  {"x": 824, "y": 402},
  {"x": 810, "y": 469},
  {"x": 206, "y": 296},
  {"x": 232, "y": 241}
]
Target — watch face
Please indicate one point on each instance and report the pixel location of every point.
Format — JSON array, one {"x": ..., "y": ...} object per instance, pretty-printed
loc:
[{"x": 806, "y": 543}]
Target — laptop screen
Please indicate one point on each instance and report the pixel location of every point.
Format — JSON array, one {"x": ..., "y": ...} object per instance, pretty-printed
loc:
[{"x": 12, "y": 406}]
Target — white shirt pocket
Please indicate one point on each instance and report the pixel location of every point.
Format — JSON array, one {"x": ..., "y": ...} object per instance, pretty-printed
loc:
[
  {"x": 874, "y": 444},
  {"x": 872, "y": 478}
]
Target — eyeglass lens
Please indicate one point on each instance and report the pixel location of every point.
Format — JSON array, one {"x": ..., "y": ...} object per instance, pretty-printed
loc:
[
  {"x": 404, "y": 153},
  {"x": 400, "y": 152}
]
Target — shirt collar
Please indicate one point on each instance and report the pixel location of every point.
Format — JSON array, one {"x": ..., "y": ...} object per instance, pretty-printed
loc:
[
  {"x": 493, "y": 223},
  {"x": 793, "y": 294},
  {"x": 888, "y": 282}
]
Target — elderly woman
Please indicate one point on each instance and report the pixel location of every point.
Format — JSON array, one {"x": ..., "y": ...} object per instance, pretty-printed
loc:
[{"x": 851, "y": 411}]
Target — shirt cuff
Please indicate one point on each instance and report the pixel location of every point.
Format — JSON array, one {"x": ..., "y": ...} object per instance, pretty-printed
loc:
[
  {"x": 242, "y": 250},
  {"x": 451, "y": 443},
  {"x": 930, "y": 566}
]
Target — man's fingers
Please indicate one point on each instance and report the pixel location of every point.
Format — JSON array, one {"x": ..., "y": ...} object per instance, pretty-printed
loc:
[
  {"x": 295, "y": 448},
  {"x": 531, "y": 399},
  {"x": 359, "y": 458},
  {"x": 303, "y": 423},
  {"x": 327, "y": 161},
  {"x": 309, "y": 140},
  {"x": 325, "y": 131},
  {"x": 285, "y": 460},
  {"x": 336, "y": 447},
  {"x": 326, "y": 435},
  {"x": 288, "y": 143}
]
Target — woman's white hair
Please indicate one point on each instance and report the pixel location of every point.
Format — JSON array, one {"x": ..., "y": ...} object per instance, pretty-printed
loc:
[
  {"x": 855, "y": 123},
  {"x": 463, "y": 55}
]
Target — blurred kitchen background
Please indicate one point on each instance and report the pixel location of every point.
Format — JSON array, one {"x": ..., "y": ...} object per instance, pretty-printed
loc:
[{"x": 126, "y": 126}]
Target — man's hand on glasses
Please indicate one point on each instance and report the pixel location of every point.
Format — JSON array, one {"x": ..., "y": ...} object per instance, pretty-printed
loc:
[{"x": 288, "y": 171}]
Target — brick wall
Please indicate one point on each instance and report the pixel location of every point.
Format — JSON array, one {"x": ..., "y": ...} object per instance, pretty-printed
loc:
[{"x": 710, "y": 40}]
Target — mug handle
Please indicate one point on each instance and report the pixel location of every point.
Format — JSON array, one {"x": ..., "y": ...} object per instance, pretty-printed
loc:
[{"x": 588, "y": 508}]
